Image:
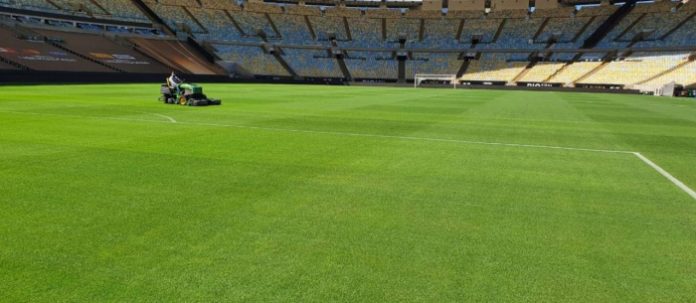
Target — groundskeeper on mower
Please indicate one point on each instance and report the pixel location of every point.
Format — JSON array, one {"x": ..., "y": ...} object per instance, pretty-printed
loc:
[{"x": 176, "y": 91}]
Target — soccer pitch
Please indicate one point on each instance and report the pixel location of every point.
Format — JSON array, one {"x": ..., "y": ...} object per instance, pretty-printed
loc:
[{"x": 350, "y": 194}]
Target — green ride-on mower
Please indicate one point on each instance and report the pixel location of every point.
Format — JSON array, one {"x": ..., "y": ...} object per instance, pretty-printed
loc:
[{"x": 175, "y": 91}]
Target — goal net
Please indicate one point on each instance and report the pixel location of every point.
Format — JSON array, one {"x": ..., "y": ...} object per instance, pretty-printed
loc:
[
  {"x": 446, "y": 79},
  {"x": 666, "y": 90}
]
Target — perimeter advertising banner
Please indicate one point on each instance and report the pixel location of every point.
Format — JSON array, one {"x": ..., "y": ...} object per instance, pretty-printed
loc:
[
  {"x": 118, "y": 59},
  {"x": 31, "y": 54},
  {"x": 539, "y": 84},
  {"x": 600, "y": 86},
  {"x": 484, "y": 83}
]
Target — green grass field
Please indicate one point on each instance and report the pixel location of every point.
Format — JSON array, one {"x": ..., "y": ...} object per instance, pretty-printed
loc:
[{"x": 344, "y": 194}]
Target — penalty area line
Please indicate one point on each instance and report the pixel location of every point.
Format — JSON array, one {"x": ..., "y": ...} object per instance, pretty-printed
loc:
[
  {"x": 412, "y": 138},
  {"x": 667, "y": 175}
]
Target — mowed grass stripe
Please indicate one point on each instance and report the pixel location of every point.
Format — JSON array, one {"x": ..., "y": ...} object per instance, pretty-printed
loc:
[{"x": 308, "y": 131}]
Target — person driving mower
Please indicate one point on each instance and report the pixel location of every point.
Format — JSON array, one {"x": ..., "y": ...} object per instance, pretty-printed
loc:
[{"x": 173, "y": 82}]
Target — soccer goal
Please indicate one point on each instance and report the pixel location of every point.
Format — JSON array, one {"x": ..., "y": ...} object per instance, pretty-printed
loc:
[
  {"x": 666, "y": 90},
  {"x": 437, "y": 78}
]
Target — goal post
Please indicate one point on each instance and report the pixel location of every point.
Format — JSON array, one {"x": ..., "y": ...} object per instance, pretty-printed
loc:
[{"x": 420, "y": 78}]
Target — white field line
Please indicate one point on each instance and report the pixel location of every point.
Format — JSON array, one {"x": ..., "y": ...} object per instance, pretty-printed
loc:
[
  {"x": 647, "y": 161},
  {"x": 410, "y": 138},
  {"x": 166, "y": 117},
  {"x": 171, "y": 120},
  {"x": 667, "y": 175}
]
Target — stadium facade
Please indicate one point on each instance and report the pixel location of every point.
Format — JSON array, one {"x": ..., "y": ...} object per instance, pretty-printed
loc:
[{"x": 637, "y": 46}]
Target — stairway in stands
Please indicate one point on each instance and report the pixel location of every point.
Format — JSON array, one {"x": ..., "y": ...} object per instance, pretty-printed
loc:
[
  {"x": 124, "y": 42},
  {"x": 534, "y": 57},
  {"x": 276, "y": 53},
  {"x": 692, "y": 58},
  {"x": 60, "y": 45},
  {"x": 15, "y": 64},
  {"x": 150, "y": 14},
  {"x": 595, "y": 38},
  {"x": 333, "y": 52},
  {"x": 11, "y": 62},
  {"x": 556, "y": 73},
  {"x": 609, "y": 24},
  {"x": 186, "y": 39},
  {"x": 65, "y": 48}
]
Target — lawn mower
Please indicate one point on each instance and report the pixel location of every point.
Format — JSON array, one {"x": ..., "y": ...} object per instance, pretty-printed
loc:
[{"x": 176, "y": 91}]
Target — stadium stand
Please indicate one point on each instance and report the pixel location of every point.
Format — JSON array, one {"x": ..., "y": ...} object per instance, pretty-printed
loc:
[
  {"x": 657, "y": 20},
  {"x": 104, "y": 9},
  {"x": 574, "y": 71},
  {"x": 673, "y": 27},
  {"x": 402, "y": 28},
  {"x": 252, "y": 24},
  {"x": 293, "y": 29},
  {"x": 541, "y": 71},
  {"x": 178, "y": 16},
  {"x": 74, "y": 6},
  {"x": 176, "y": 54},
  {"x": 563, "y": 29},
  {"x": 480, "y": 29},
  {"x": 7, "y": 66},
  {"x": 328, "y": 26},
  {"x": 309, "y": 63},
  {"x": 252, "y": 59},
  {"x": 440, "y": 33},
  {"x": 106, "y": 51},
  {"x": 494, "y": 67},
  {"x": 366, "y": 32},
  {"x": 433, "y": 63},
  {"x": 645, "y": 44},
  {"x": 39, "y": 5},
  {"x": 122, "y": 9},
  {"x": 372, "y": 65},
  {"x": 635, "y": 68},
  {"x": 616, "y": 37},
  {"x": 217, "y": 4},
  {"x": 36, "y": 53},
  {"x": 518, "y": 33},
  {"x": 683, "y": 74},
  {"x": 220, "y": 26}
]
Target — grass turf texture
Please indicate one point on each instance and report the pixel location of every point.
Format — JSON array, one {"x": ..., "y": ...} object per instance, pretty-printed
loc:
[{"x": 103, "y": 199}]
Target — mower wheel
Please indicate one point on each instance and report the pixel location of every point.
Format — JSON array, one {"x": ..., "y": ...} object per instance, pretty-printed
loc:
[{"x": 182, "y": 100}]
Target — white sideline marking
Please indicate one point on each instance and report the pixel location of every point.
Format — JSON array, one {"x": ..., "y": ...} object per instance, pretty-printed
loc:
[
  {"x": 645, "y": 160},
  {"x": 667, "y": 175},
  {"x": 166, "y": 117}
]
